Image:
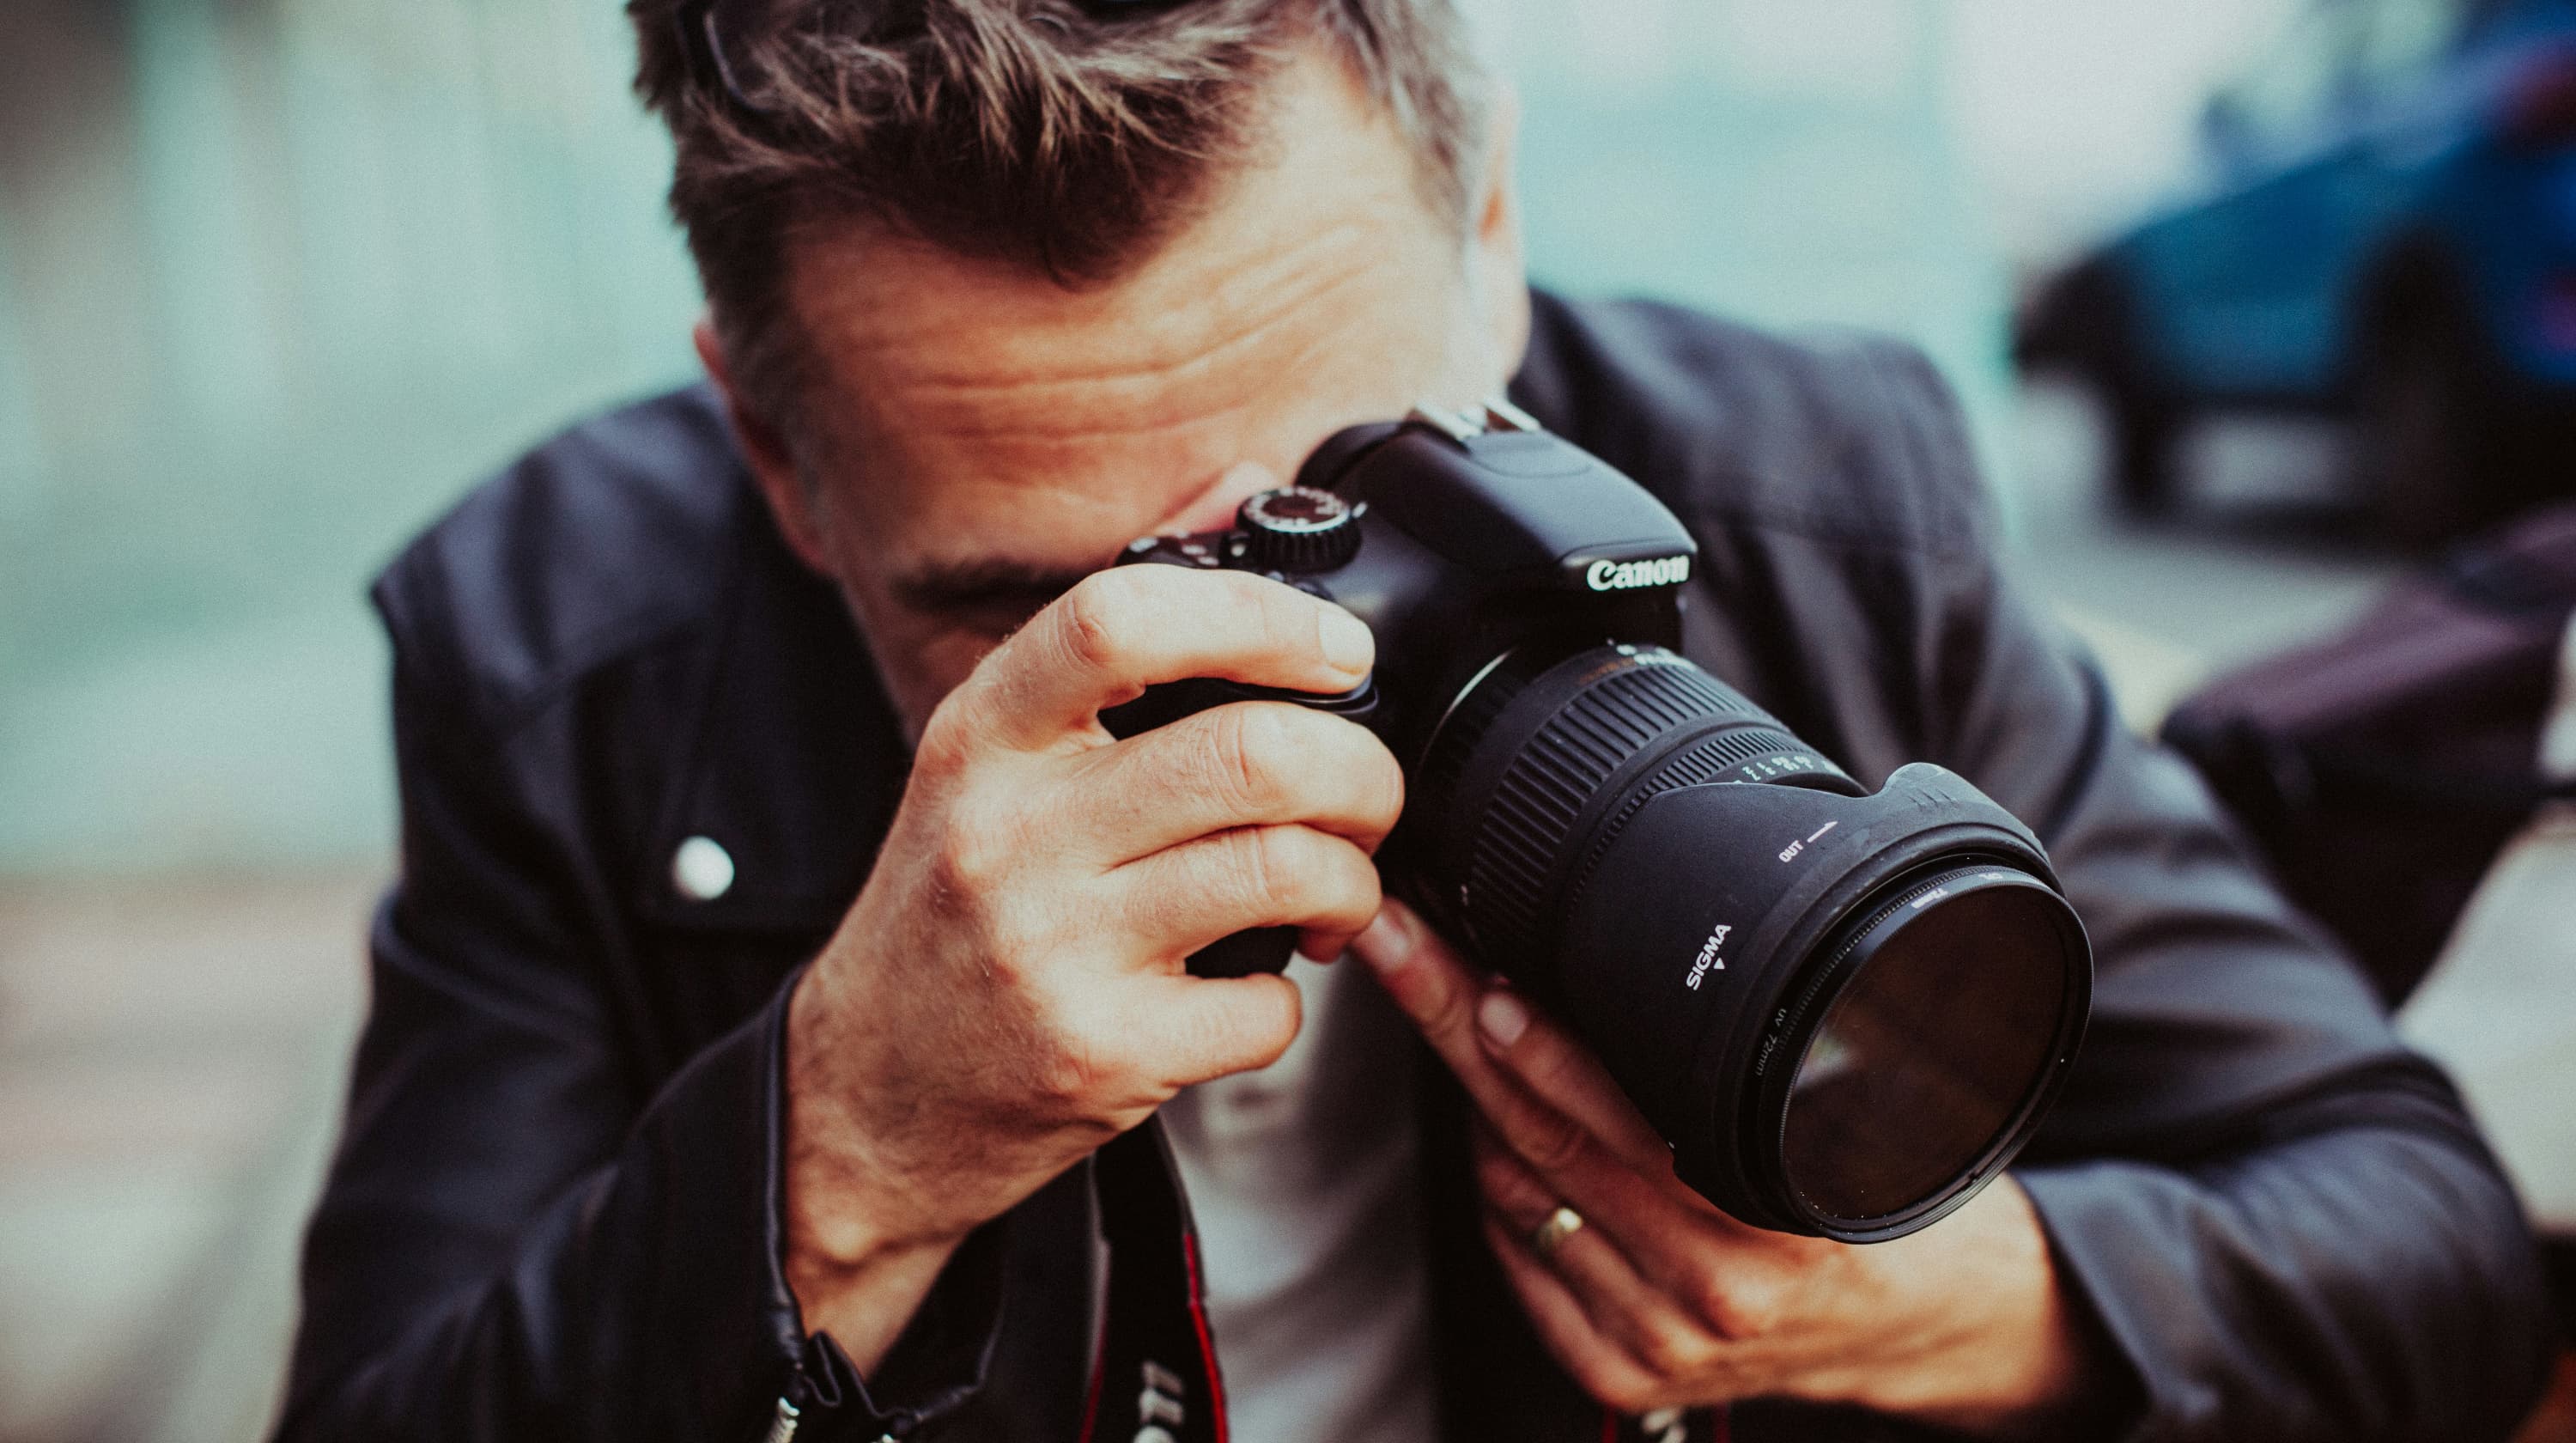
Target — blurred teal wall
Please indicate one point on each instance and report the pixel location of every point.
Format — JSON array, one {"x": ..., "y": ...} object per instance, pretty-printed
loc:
[
  {"x": 1786, "y": 161},
  {"x": 278, "y": 278}
]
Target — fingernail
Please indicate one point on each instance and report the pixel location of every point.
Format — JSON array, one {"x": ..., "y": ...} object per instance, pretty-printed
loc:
[
  {"x": 1347, "y": 643},
  {"x": 1382, "y": 944},
  {"x": 1502, "y": 1018}
]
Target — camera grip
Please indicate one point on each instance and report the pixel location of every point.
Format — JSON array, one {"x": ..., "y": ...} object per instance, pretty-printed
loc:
[{"x": 1261, "y": 949}]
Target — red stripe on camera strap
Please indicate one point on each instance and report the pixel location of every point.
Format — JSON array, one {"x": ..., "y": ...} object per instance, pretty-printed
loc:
[{"x": 1157, "y": 1379}]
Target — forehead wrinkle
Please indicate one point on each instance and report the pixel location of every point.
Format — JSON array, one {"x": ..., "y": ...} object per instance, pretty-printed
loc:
[
  {"x": 1073, "y": 410},
  {"x": 1057, "y": 429},
  {"x": 1061, "y": 492},
  {"x": 1163, "y": 331}
]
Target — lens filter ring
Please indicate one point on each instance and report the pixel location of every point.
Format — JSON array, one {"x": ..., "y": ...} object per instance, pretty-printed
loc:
[{"x": 1914, "y": 1059}]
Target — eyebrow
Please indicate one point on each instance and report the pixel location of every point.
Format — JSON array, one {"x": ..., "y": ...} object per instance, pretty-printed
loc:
[{"x": 991, "y": 582}]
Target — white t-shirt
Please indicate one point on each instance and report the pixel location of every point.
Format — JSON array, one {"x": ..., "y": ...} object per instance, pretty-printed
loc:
[{"x": 1304, "y": 1179}]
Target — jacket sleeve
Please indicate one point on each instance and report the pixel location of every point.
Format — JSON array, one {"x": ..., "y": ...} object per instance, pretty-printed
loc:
[
  {"x": 2282, "y": 1220},
  {"x": 520, "y": 1237}
]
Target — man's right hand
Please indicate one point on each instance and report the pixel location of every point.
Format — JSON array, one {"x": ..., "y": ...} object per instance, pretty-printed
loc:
[{"x": 1008, "y": 992}]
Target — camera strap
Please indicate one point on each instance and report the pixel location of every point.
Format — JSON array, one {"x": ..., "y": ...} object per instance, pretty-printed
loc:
[{"x": 1156, "y": 1379}]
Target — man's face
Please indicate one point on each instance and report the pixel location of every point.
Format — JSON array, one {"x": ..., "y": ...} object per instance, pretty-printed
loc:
[{"x": 980, "y": 437}]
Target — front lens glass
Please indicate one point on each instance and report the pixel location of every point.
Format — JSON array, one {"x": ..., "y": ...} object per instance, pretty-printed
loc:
[{"x": 1930, "y": 1052}]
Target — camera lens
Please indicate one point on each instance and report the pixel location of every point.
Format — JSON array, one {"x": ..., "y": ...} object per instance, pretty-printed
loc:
[
  {"x": 1846, "y": 1010},
  {"x": 1935, "y": 1032}
]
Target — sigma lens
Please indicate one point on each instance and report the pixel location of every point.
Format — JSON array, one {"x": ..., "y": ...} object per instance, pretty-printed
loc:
[{"x": 1846, "y": 1010}]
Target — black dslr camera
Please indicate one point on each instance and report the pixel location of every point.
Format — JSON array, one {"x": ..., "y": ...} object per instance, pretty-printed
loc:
[{"x": 1846, "y": 1010}]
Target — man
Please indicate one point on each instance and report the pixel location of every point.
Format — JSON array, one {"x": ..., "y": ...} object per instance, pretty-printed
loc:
[{"x": 781, "y": 941}]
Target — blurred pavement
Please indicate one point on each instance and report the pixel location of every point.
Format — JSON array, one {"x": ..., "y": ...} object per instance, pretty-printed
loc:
[{"x": 170, "y": 1065}]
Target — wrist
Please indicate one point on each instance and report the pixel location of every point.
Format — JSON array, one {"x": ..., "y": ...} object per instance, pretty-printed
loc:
[
  {"x": 858, "y": 1252},
  {"x": 1998, "y": 1349},
  {"x": 846, "y": 1205},
  {"x": 842, "y": 1218},
  {"x": 860, "y": 1286}
]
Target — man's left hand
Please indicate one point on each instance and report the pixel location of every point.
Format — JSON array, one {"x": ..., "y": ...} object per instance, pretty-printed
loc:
[{"x": 1659, "y": 1300}]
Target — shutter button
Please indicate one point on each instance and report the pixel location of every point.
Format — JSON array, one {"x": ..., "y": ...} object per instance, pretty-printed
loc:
[{"x": 702, "y": 870}]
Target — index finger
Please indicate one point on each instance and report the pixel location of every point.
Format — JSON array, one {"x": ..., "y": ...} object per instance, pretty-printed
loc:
[
  {"x": 1130, "y": 627},
  {"x": 1550, "y": 1084}
]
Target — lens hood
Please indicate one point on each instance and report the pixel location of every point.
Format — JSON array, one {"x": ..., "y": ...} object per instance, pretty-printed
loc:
[{"x": 1724, "y": 924}]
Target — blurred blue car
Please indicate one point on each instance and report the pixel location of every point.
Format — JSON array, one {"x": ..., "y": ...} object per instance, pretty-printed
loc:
[{"x": 2392, "y": 235}]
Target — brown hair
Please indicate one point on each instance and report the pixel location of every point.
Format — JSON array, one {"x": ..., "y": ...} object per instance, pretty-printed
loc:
[{"x": 1066, "y": 137}]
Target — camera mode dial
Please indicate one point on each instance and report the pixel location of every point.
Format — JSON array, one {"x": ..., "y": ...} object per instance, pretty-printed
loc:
[{"x": 1299, "y": 529}]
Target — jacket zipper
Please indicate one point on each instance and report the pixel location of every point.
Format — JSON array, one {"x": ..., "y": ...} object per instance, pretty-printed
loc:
[{"x": 782, "y": 1429}]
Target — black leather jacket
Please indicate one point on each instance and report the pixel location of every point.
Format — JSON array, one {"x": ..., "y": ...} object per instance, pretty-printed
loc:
[{"x": 554, "y": 1211}]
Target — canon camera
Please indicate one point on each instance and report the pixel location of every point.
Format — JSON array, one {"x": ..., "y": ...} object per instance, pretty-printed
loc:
[{"x": 1845, "y": 1009}]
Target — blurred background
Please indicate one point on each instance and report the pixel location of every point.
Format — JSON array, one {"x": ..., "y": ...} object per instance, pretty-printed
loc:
[{"x": 2251, "y": 302}]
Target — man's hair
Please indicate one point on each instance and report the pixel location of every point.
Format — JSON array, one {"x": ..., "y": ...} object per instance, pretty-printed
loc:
[{"x": 1065, "y": 137}]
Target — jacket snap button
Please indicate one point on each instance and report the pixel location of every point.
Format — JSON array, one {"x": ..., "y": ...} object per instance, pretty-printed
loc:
[{"x": 702, "y": 870}]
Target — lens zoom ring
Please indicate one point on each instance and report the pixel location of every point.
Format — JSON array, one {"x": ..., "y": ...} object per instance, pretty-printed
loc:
[
  {"x": 1527, "y": 823},
  {"x": 1462, "y": 731},
  {"x": 1706, "y": 760}
]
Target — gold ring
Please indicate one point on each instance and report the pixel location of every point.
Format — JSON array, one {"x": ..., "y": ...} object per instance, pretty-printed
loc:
[{"x": 1561, "y": 1224}]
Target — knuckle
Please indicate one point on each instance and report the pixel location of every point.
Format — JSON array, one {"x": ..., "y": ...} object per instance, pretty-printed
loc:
[
  {"x": 1067, "y": 1076},
  {"x": 1547, "y": 1069},
  {"x": 1270, "y": 620},
  {"x": 1095, "y": 619},
  {"x": 1295, "y": 874},
  {"x": 1671, "y": 1354},
  {"x": 1439, "y": 1001},
  {"x": 948, "y": 739},
  {"x": 1552, "y": 1142},
  {"x": 1246, "y": 754},
  {"x": 1079, "y": 1064},
  {"x": 1266, "y": 870},
  {"x": 1735, "y": 1307},
  {"x": 1713, "y": 1302},
  {"x": 977, "y": 845},
  {"x": 1506, "y": 1183},
  {"x": 1255, "y": 607},
  {"x": 1761, "y": 1310}
]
